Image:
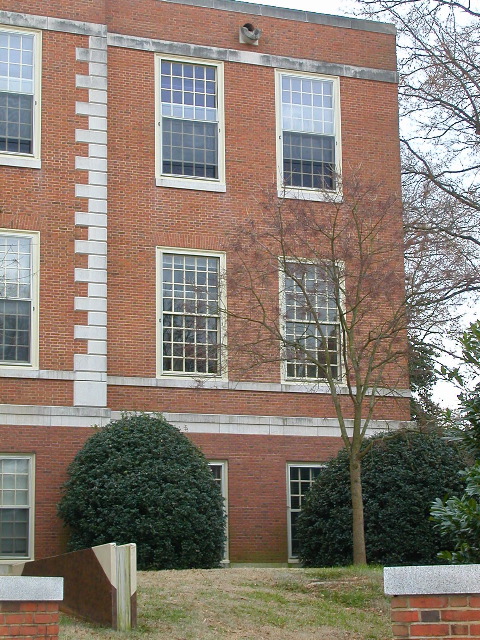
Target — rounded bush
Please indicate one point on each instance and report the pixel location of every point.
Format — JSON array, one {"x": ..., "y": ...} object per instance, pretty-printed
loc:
[
  {"x": 401, "y": 475},
  {"x": 139, "y": 479}
]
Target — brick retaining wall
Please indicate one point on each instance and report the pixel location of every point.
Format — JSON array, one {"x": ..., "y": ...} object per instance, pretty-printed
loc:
[
  {"x": 29, "y": 620},
  {"x": 29, "y": 607},
  {"x": 436, "y": 616},
  {"x": 434, "y": 602}
]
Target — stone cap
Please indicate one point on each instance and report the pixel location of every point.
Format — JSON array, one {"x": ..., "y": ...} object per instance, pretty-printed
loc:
[
  {"x": 439, "y": 579},
  {"x": 28, "y": 589}
]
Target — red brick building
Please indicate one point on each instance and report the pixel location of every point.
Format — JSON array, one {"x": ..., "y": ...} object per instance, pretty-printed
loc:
[{"x": 131, "y": 143}]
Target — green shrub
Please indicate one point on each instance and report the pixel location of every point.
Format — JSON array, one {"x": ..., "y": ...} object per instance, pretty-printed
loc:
[
  {"x": 460, "y": 518},
  {"x": 141, "y": 480},
  {"x": 402, "y": 474}
]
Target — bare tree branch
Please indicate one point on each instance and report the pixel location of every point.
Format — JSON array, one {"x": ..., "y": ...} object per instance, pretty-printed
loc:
[
  {"x": 439, "y": 63},
  {"x": 341, "y": 319}
]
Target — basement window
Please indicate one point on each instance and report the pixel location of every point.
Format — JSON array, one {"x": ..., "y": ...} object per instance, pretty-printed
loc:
[{"x": 16, "y": 507}]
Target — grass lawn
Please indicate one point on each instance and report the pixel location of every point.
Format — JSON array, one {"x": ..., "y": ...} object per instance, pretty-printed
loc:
[{"x": 254, "y": 604}]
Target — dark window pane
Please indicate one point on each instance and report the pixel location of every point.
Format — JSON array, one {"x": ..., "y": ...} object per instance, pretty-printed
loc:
[
  {"x": 308, "y": 160},
  {"x": 184, "y": 140},
  {"x": 16, "y": 109},
  {"x": 15, "y": 316},
  {"x": 14, "y": 532}
]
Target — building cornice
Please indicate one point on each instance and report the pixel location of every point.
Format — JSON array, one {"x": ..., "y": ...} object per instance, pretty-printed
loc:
[
  {"x": 213, "y": 53},
  {"x": 31, "y": 21},
  {"x": 291, "y": 14}
]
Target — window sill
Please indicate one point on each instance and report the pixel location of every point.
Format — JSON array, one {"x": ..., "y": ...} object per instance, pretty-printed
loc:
[
  {"x": 13, "y": 560},
  {"x": 192, "y": 380},
  {"x": 311, "y": 195},
  {"x": 15, "y": 368},
  {"x": 20, "y": 161},
  {"x": 311, "y": 384},
  {"x": 186, "y": 183}
]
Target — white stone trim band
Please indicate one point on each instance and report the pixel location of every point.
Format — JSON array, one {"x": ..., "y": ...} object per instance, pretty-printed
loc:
[
  {"x": 96, "y": 330},
  {"x": 437, "y": 580},
  {"x": 232, "y": 385},
  {"x": 83, "y": 417},
  {"x": 32, "y": 21},
  {"x": 36, "y": 374},
  {"x": 268, "y": 425},
  {"x": 28, "y": 589},
  {"x": 250, "y": 57}
]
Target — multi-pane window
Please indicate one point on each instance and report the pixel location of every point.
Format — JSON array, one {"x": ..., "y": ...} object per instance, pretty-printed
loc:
[
  {"x": 312, "y": 332},
  {"x": 16, "y": 298},
  {"x": 189, "y": 120},
  {"x": 190, "y": 307},
  {"x": 308, "y": 132},
  {"x": 17, "y": 92},
  {"x": 300, "y": 480},
  {"x": 15, "y": 506}
]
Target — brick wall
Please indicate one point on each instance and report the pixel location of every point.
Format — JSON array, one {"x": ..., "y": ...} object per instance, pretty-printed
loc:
[
  {"x": 436, "y": 616},
  {"x": 257, "y": 475},
  {"x": 29, "y": 607},
  {"x": 441, "y": 602},
  {"x": 143, "y": 216},
  {"x": 299, "y": 39},
  {"x": 29, "y": 620}
]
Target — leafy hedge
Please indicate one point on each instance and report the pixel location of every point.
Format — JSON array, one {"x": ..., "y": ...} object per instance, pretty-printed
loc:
[
  {"x": 141, "y": 480},
  {"x": 460, "y": 518},
  {"x": 401, "y": 475}
]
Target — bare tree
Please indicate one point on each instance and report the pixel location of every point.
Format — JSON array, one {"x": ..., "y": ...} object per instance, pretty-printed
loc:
[
  {"x": 441, "y": 261},
  {"x": 341, "y": 316},
  {"x": 439, "y": 59},
  {"x": 376, "y": 7}
]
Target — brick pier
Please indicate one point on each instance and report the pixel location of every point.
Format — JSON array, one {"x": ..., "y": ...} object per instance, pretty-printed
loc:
[
  {"x": 434, "y": 602},
  {"x": 29, "y": 607}
]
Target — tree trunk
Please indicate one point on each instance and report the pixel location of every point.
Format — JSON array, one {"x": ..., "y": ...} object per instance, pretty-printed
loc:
[{"x": 359, "y": 553}]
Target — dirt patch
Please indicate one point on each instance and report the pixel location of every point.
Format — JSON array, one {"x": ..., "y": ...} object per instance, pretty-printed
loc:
[{"x": 255, "y": 604}]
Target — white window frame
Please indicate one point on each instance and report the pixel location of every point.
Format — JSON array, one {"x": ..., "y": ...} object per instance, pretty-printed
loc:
[
  {"x": 223, "y": 373},
  {"x": 304, "y": 193},
  {"x": 290, "y": 465},
  {"x": 179, "y": 182},
  {"x": 31, "y": 507},
  {"x": 34, "y": 335},
  {"x": 29, "y": 160},
  {"x": 223, "y": 464},
  {"x": 283, "y": 322}
]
